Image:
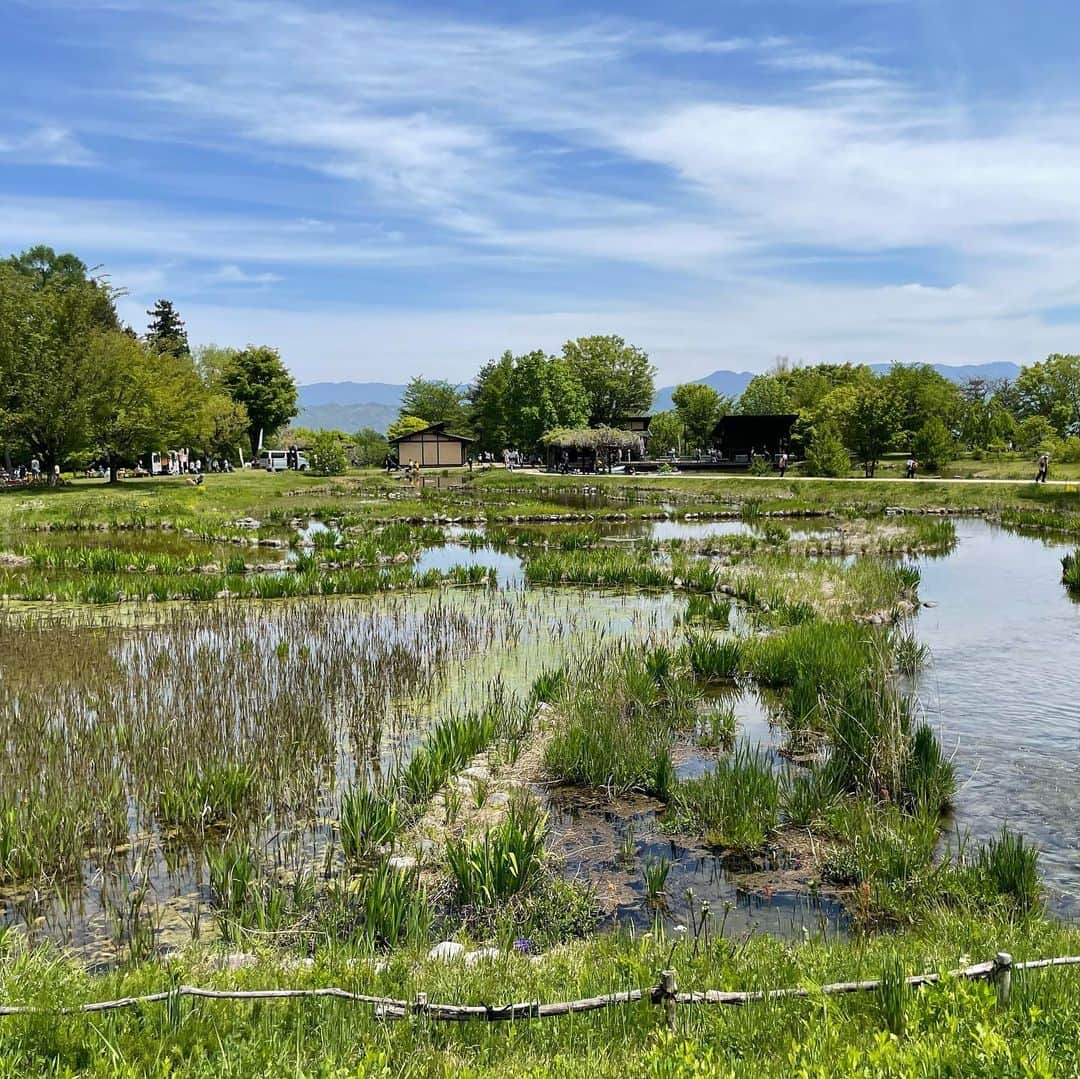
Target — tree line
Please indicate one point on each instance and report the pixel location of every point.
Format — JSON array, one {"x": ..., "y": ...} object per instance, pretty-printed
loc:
[
  {"x": 77, "y": 386},
  {"x": 842, "y": 411}
]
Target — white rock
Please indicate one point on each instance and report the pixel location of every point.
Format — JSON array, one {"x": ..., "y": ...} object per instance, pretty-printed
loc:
[{"x": 447, "y": 950}]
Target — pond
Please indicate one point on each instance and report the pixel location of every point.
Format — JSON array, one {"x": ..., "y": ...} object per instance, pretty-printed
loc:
[{"x": 1004, "y": 686}]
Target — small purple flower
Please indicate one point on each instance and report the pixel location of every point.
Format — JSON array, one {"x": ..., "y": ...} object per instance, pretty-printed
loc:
[{"x": 523, "y": 945}]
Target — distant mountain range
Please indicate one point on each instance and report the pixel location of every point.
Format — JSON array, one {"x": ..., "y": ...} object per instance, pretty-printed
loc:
[
  {"x": 732, "y": 383},
  {"x": 348, "y": 406}
]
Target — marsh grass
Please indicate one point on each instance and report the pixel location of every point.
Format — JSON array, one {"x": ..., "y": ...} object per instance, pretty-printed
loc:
[
  {"x": 368, "y": 822},
  {"x": 617, "y": 720},
  {"x": 197, "y": 799},
  {"x": 1070, "y": 571},
  {"x": 735, "y": 806},
  {"x": 1011, "y": 867},
  {"x": 654, "y": 874}
]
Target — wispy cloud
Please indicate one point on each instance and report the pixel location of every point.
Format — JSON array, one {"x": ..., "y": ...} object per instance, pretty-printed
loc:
[
  {"x": 704, "y": 170},
  {"x": 46, "y": 144}
]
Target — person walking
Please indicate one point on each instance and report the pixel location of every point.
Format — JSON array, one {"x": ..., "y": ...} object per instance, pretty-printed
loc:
[
  {"x": 1044, "y": 468},
  {"x": 781, "y": 463},
  {"x": 912, "y": 465},
  {"x": 35, "y": 469}
]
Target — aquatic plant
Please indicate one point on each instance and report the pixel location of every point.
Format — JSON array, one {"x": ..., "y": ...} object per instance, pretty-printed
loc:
[
  {"x": 616, "y": 724},
  {"x": 368, "y": 822},
  {"x": 505, "y": 860},
  {"x": 1070, "y": 571},
  {"x": 394, "y": 908},
  {"x": 714, "y": 658},
  {"x": 807, "y": 796},
  {"x": 216, "y": 794},
  {"x": 654, "y": 873},
  {"x": 736, "y": 805},
  {"x": 929, "y": 779},
  {"x": 1011, "y": 867}
]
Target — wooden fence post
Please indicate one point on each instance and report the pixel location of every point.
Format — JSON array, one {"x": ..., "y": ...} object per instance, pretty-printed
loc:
[
  {"x": 1002, "y": 977},
  {"x": 668, "y": 988}
]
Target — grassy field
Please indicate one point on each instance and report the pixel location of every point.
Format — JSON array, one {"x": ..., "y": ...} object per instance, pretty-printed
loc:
[{"x": 335, "y": 760}]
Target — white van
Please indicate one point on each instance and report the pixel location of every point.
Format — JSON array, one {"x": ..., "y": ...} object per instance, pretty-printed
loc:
[{"x": 278, "y": 461}]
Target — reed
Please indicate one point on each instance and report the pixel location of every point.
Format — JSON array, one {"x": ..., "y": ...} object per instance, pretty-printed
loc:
[
  {"x": 1070, "y": 571},
  {"x": 1011, "y": 867}
]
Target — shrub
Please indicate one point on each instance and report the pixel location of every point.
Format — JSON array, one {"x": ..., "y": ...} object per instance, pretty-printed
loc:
[
  {"x": 826, "y": 455},
  {"x": 369, "y": 820},
  {"x": 934, "y": 447},
  {"x": 327, "y": 454}
]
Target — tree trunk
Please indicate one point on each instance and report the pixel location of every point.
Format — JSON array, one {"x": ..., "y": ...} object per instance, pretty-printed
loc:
[{"x": 114, "y": 468}]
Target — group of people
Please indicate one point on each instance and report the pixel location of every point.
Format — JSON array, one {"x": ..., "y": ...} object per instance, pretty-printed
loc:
[{"x": 31, "y": 473}]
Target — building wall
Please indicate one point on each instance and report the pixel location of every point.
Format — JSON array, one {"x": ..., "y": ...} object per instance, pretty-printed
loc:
[{"x": 431, "y": 451}]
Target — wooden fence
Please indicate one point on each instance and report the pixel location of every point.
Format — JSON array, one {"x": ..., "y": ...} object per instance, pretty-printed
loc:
[{"x": 664, "y": 994}]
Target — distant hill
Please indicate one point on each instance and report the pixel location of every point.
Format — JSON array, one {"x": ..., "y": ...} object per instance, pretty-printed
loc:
[
  {"x": 732, "y": 383},
  {"x": 726, "y": 383},
  {"x": 962, "y": 372},
  {"x": 348, "y": 418},
  {"x": 351, "y": 393},
  {"x": 348, "y": 406}
]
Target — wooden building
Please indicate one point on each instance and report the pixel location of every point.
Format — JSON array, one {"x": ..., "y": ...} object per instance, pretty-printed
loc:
[
  {"x": 432, "y": 447},
  {"x": 737, "y": 437}
]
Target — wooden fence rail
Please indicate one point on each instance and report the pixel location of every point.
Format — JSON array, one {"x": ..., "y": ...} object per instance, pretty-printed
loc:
[{"x": 665, "y": 993}]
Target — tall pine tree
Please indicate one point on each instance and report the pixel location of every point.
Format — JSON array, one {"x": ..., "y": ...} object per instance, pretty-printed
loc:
[{"x": 166, "y": 332}]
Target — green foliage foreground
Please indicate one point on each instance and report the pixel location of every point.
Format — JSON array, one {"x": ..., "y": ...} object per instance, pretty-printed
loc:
[{"x": 955, "y": 1028}]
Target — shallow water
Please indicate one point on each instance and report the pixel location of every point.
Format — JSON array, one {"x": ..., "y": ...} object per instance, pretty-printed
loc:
[
  {"x": 594, "y": 840},
  {"x": 1004, "y": 688}
]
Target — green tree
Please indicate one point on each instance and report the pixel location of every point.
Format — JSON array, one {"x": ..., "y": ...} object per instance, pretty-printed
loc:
[
  {"x": 826, "y": 455},
  {"x": 766, "y": 395},
  {"x": 869, "y": 426},
  {"x": 488, "y": 403},
  {"x": 617, "y": 377},
  {"x": 699, "y": 407},
  {"x": 50, "y": 311},
  {"x": 370, "y": 447},
  {"x": 542, "y": 393},
  {"x": 1034, "y": 433},
  {"x": 918, "y": 393},
  {"x": 1050, "y": 389},
  {"x": 934, "y": 447},
  {"x": 46, "y": 271},
  {"x": 326, "y": 454},
  {"x": 166, "y": 332},
  {"x": 257, "y": 379},
  {"x": 406, "y": 425},
  {"x": 434, "y": 400},
  {"x": 666, "y": 431},
  {"x": 141, "y": 399},
  {"x": 223, "y": 423}
]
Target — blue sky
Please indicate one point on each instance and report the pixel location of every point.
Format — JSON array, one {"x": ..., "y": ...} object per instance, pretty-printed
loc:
[{"x": 387, "y": 190}]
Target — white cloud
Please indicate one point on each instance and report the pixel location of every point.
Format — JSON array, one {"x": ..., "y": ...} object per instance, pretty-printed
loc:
[
  {"x": 575, "y": 147},
  {"x": 45, "y": 145}
]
